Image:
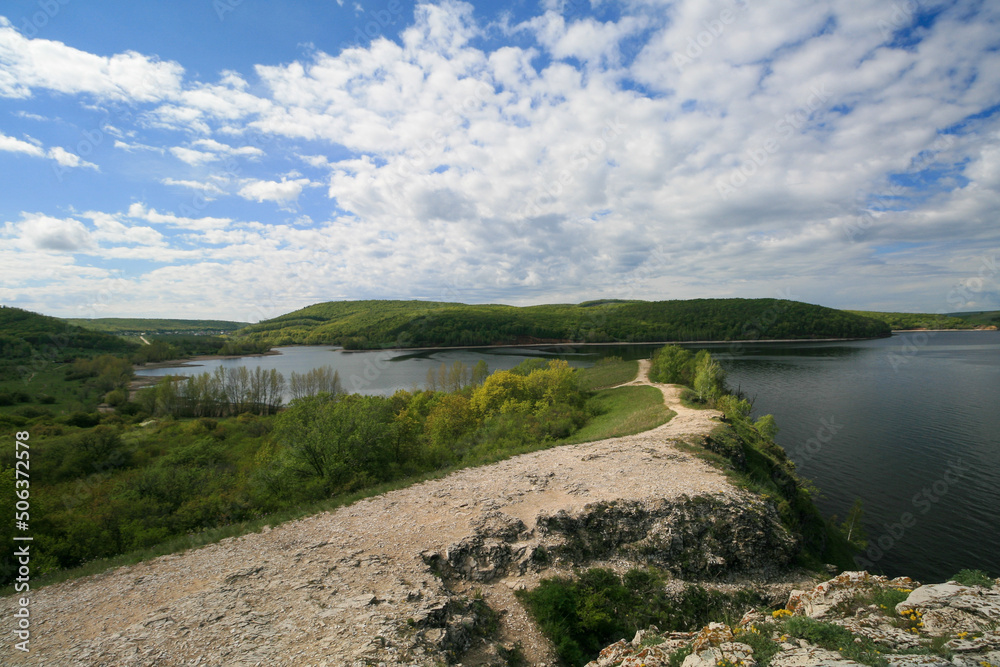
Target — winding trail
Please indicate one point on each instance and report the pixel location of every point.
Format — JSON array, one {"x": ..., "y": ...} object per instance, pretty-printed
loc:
[{"x": 328, "y": 589}]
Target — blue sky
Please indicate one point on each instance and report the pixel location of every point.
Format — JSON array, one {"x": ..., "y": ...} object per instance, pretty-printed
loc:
[{"x": 241, "y": 159}]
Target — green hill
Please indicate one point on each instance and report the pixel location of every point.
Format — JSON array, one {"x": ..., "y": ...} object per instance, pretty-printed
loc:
[
  {"x": 129, "y": 326},
  {"x": 903, "y": 321},
  {"x": 27, "y": 338},
  {"x": 372, "y": 324},
  {"x": 979, "y": 318}
]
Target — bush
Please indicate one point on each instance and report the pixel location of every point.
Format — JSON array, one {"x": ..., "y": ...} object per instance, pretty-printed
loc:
[
  {"x": 584, "y": 615},
  {"x": 974, "y": 578},
  {"x": 82, "y": 419}
]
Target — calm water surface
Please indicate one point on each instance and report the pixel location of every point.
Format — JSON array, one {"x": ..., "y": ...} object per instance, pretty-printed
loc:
[{"x": 909, "y": 424}]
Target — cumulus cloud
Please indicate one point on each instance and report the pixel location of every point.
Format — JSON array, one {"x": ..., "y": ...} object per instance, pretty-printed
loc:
[
  {"x": 42, "y": 232},
  {"x": 673, "y": 150},
  {"x": 60, "y": 155},
  {"x": 30, "y": 64},
  {"x": 283, "y": 192},
  {"x": 207, "y": 188},
  {"x": 14, "y": 145},
  {"x": 141, "y": 212}
]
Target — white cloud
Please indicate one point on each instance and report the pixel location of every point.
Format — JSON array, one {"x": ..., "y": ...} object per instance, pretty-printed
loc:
[
  {"x": 282, "y": 192},
  {"x": 193, "y": 157},
  {"x": 28, "y": 64},
  {"x": 207, "y": 188},
  {"x": 67, "y": 159},
  {"x": 134, "y": 147},
  {"x": 45, "y": 233},
  {"x": 33, "y": 148},
  {"x": 140, "y": 212},
  {"x": 14, "y": 145}
]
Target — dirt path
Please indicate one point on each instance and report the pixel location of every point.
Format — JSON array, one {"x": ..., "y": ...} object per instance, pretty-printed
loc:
[{"x": 330, "y": 588}]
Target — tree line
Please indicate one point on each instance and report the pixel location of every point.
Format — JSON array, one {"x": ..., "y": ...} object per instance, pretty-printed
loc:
[{"x": 234, "y": 391}]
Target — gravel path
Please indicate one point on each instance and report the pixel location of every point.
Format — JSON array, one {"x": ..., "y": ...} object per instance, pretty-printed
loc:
[{"x": 328, "y": 588}]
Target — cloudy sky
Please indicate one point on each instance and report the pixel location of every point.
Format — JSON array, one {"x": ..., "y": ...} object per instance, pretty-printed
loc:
[{"x": 239, "y": 159}]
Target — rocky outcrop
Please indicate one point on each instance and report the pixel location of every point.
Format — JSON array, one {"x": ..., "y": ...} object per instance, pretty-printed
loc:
[
  {"x": 946, "y": 625},
  {"x": 704, "y": 536},
  {"x": 699, "y": 537}
]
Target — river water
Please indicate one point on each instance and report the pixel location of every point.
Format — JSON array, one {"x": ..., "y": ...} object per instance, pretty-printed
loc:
[{"x": 910, "y": 424}]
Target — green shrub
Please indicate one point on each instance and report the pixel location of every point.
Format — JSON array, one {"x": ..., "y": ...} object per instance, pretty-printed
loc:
[
  {"x": 974, "y": 578},
  {"x": 583, "y": 615}
]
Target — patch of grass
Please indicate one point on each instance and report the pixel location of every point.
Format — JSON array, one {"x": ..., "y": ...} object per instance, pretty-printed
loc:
[
  {"x": 885, "y": 599},
  {"x": 690, "y": 400},
  {"x": 836, "y": 638},
  {"x": 974, "y": 578},
  {"x": 46, "y": 385},
  {"x": 608, "y": 372},
  {"x": 758, "y": 637},
  {"x": 676, "y": 658},
  {"x": 513, "y": 656},
  {"x": 622, "y": 411}
]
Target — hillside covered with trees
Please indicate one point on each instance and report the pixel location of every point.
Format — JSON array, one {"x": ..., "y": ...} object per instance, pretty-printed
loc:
[
  {"x": 905, "y": 321},
  {"x": 374, "y": 324},
  {"x": 134, "y": 326}
]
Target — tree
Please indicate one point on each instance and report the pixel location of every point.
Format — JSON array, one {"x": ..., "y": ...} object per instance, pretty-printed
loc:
[
  {"x": 852, "y": 528},
  {"x": 672, "y": 365},
  {"x": 709, "y": 378}
]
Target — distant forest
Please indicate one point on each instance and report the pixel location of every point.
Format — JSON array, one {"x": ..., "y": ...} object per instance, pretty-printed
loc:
[
  {"x": 374, "y": 324},
  {"x": 903, "y": 321},
  {"x": 133, "y": 326}
]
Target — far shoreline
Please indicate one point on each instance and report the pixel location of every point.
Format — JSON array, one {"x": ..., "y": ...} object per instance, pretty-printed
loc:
[{"x": 188, "y": 362}]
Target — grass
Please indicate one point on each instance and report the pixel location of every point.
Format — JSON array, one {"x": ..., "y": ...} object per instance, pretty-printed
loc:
[
  {"x": 47, "y": 389},
  {"x": 689, "y": 399},
  {"x": 607, "y": 373},
  {"x": 885, "y": 599},
  {"x": 622, "y": 411},
  {"x": 836, "y": 638}
]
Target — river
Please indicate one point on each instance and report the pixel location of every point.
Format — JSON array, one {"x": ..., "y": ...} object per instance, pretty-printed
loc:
[{"x": 910, "y": 424}]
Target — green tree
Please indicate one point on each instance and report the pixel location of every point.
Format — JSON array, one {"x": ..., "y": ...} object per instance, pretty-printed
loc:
[{"x": 672, "y": 365}]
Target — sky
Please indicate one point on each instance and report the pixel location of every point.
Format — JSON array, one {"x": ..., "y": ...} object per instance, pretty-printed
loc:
[{"x": 240, "y": 159}]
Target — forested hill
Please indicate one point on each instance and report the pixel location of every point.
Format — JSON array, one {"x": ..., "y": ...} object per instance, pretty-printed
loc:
[
  {"x": 28, "y": 338},
  {"x": 126, "y": 326},
  {"x": 371, "y": 324},
  {"x": 909, "y": 321}
]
